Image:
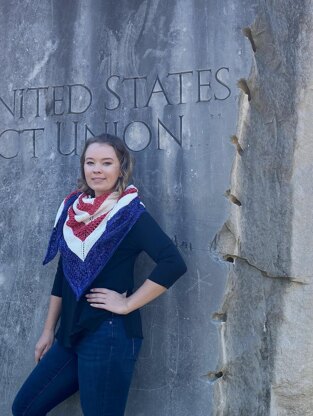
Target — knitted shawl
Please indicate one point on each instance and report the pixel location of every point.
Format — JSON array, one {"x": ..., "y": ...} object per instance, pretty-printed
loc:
[{"x": 87, "y": 231}]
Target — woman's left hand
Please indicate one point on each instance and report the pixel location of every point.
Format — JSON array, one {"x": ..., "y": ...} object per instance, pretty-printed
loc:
[{"x": 109, "y": 300}]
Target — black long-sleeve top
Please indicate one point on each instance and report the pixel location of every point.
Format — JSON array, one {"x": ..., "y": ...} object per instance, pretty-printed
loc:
[{"x": 118, "y": 274}]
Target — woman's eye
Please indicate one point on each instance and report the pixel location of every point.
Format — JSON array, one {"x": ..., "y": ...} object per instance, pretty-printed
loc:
[{"x": 90, "y": 163}]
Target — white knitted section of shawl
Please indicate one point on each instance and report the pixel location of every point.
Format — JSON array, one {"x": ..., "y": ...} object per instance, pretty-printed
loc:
[
  {"x": 107, "y": 205},
  {"x": 82, "y": 248},
  {"x": 60, "y": 210}
]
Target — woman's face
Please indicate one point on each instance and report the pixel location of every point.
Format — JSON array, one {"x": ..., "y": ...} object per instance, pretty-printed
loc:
[{"x": 102, "y": 168}]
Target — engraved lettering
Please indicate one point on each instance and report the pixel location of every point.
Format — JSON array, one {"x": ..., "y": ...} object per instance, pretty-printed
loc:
[
  {"x": 57, "y": 100},
  {"x": 83, "y": 91},
  {"x": 9, "y": 143},
  {"x": 34, "y": 131},
  {"x": 114, "y": 93},
  {"x": 135, "y": 79},
  {"x": 178, "y": 141},
  {"x": 129, "y": 92},
  {"x": 222, "y": 83},
  {"x": 37, "y": 89},
  {"x": 21, "y": 102},
  {"x": 180, "y": 78},
  {"x": 137, "y": 136},
  {"x": 74, "y": 150},
  {"x": 205, "y": 84},
  {"x": 183, "y": 244},
  {"x": 106, "y": 124},
  {"x": 161, "y": 90},
  {"x": 88, "y": 132},
  {"x": 11, "y": 109}
]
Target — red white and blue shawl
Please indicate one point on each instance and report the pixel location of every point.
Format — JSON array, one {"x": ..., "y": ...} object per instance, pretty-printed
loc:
[{"x": 87, "y": 231}]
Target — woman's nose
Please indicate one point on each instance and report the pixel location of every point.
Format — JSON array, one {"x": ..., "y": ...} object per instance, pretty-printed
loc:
[{"x": 96, "y": 168}]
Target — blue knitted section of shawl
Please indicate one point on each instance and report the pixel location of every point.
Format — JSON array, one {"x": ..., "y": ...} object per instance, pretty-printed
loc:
[
  {"x": 80, "y": 274},
  {"x": 57, "y": 231}
]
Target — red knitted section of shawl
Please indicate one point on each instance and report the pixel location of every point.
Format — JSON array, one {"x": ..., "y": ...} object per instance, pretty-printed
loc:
[
  {"x": 128, "y": 191},
  {"x": 82, "y": 230},
  {"x": 91, "y": 208}
]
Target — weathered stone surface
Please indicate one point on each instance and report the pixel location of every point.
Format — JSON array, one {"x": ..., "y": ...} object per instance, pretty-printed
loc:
[
  {"x": 267, "y": 338},
  {"x": 70, "y": 68}
]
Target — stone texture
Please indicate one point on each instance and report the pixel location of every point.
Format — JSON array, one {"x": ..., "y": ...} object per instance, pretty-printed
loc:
[
  {"x": 267, "y": 338},
  {"x": 69, "y": 64}
]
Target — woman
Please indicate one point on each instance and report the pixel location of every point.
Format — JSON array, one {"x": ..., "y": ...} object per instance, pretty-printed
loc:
[{"x": 99, "y": 231}]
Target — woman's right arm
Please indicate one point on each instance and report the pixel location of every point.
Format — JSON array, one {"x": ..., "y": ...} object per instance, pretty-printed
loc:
[{"x": 47, "y": 337}]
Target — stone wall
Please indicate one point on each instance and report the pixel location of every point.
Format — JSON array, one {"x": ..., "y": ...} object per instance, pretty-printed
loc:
[
  {"x": 163, "y": 75},
  {"x": 267, "y": 336}
]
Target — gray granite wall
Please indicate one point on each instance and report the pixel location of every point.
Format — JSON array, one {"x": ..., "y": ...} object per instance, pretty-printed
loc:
[
  {"x": 267, "y": 337},
  {"x": 230, "y": 338}
]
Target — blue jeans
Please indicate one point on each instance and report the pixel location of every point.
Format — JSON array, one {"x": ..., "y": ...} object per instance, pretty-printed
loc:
[{"x": 100, "y": 366}]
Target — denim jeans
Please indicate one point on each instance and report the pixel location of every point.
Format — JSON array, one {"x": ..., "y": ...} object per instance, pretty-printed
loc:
[{"x": 100, "y": 366}]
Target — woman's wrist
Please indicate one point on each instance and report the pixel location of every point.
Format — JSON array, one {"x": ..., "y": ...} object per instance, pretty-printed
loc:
[
  {"x": 143, "y": 295},
  {"x": 128, "y": 302},
  {"x": 49, "y": 328}
]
